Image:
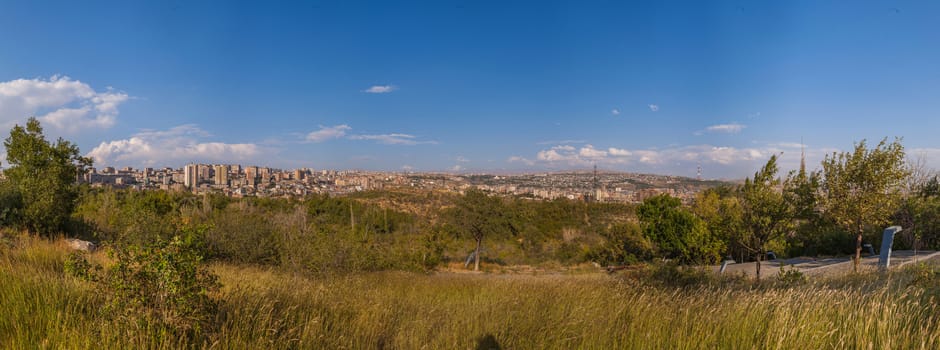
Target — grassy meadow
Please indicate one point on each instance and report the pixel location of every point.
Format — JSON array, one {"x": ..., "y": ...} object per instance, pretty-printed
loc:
[{"x": 266, "y": 308}]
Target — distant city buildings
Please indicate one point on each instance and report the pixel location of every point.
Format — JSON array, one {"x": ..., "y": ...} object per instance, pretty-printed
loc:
[{"x": 239, "y": 181}]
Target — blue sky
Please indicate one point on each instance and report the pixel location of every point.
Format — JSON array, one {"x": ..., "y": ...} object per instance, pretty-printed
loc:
[{"x": 656, "y": 86}]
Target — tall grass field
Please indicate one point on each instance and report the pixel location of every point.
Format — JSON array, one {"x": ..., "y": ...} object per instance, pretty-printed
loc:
[{"x": 43, "y": 307}]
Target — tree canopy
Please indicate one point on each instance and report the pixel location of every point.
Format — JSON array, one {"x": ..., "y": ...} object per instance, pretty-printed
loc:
[
  {"x": 765, "y": 214},
  {"x": 478, "y": 216},
  {"x": 676, "y": 232},
  {"x": 45, "y": 175},
  {"x": 862, "y": 187}
]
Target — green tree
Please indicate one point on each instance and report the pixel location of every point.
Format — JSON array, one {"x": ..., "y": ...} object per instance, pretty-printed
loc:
[
  {"x": 677, "y": 233},
  {"x": 45, "y": 174},
  {"x": 862, "y": 188},
  {"x": 765, "y": 214},
  {"x": 720, "y": 208},
  {"x": 479, "y": 216}
]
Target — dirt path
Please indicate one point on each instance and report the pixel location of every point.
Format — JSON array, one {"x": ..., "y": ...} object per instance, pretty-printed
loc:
[{"x": 828, "y": 266}]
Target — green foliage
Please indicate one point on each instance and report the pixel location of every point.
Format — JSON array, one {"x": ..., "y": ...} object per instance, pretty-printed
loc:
[
  {"x": 45, "y": 175},
  {"x": 11, "y": 205},
  {"x": 78, "y": 266},
  {"x": 163, "y": 281},
  {"x": 132, "y": 217},
  {"x": 478, "y": 215},
  {"x": 432, "y": 252},
  {"x": 919, "y": 215},
  {"x": 924, "y": 276},
  {"x": 790, "y": 277},
  {"x": 765, "y": 214},
  {"x": 624, "y": 245},
  {"x": 861, "y": 188},
  {"x": 676, "y": 232},
  {"x": 673, "y": 275},
  {"x": 243, "y": 234}
]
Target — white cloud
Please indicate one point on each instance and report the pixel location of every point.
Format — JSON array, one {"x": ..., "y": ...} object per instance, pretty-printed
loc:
[
  {"x": 518, "y": 159},
  {"x": 328, "y": 133},
  {"x": 723, "y": 161},
  {"x": 615, "y": 111},
  {"x": 732, "y": 128},
  {"x": 653, "y": 107},
  {"x": 392, "y": 139},
  {"x": 590, "y": 152},
  {"x": 456, "y": 168},
  {"x": 60, "y": 102},
  {"x": 554, "y": 156},
  {"x": 462, "y": 159},
  {"x": 617, "y": 152},
  {"x": 171, "y": 147},
  {"x": 380, "y": 89}
]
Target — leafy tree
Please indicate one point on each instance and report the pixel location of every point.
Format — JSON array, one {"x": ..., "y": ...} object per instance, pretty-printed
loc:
[
  {"x": 45, "y": 174},
  {"x": 479, "y": 215},
  {"x": 678, "y": 233},
  {"x": 765, "y": 214},
  {"x": 862, "y": 188},
  {"x": 720, "y": 208}
]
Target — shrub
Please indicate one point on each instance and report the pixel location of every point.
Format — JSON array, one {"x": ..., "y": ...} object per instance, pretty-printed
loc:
[
  {"x": 243, "y": 236},
  {"x": 163, "y": 281},
  {"x": 790, "y": 277},
  {"x": 78, "y": 266}
]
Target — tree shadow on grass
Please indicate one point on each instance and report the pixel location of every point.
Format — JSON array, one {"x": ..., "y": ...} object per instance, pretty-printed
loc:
[{"x": 487, "y": 342}]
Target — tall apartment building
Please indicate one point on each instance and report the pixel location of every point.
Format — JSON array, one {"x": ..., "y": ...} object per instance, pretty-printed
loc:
[
  {"x": 190, "y": 175},
  {"x": 251, "y": 175},
  {"x": 204, "y": 173},
  {"x": 221, "y": 175}
]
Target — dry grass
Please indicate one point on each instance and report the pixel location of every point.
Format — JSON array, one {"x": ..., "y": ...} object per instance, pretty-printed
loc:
[{"x": 274, "y": 310}]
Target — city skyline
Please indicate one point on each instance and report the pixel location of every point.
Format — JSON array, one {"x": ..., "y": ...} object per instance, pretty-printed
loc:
[{"x": 646, "y": 87}]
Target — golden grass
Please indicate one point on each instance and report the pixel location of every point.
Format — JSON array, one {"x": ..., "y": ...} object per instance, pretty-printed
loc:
[{"x": 263, "y": 308}]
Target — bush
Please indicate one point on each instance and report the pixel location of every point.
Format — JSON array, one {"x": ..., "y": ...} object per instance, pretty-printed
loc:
[
  {"x": 673, "y": 275},
  {"x": 790, "y": 277},
  {"x": 78, "y": 266},
  {"x": 164, "y": 282},
  {"x": 625, "y": 245},
  {"x": 242, "y": 236}
]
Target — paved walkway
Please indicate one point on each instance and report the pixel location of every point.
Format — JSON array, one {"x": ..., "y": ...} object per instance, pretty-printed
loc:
[{"x": 827, "y": 266}]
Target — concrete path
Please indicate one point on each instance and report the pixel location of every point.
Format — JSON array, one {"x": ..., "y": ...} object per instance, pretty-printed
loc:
[{"x": 827, "y": 266}]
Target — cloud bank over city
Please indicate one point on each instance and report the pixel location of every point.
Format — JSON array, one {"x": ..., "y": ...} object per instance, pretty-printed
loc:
[
  {"x": 178, "y": 145},
  {"x": 676, "y": 159}
]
